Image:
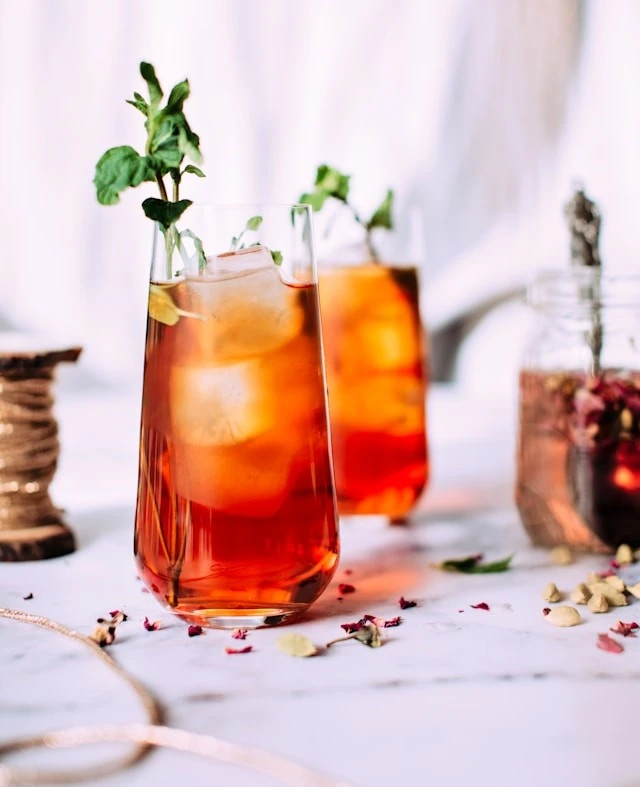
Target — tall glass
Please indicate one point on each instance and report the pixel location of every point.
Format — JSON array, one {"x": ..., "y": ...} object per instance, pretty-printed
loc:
[
  {"x": 376, "y": 354},
  {"x": 236, "y": 522}
]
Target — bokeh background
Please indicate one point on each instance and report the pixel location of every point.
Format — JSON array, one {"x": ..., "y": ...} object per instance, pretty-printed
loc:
[{"x": 480, "y": 114}]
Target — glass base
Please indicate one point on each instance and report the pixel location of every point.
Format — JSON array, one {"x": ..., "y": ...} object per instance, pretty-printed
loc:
[{"x": 240, "y": 618}]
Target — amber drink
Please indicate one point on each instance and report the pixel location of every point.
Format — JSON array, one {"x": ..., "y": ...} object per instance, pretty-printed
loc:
[
  {"x": 236, "y": 522},
  {"x": 376, "y": 371}
]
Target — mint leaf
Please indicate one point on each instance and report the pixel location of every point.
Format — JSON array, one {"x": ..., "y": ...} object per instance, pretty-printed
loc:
[
  {"x": 334, "y": 182},
  {"x": 165, "y": 213},
  {"x": 276, "y": 256},
  {"x": 177, "y": 97},
  {"x": 139, "y": 103},
  {"x": 188, "y": 141},
  {"x": 474, "y": 565},
  {"x": 316, "y": 199},
  {"x": 148, "y": 73},
  {"x": 254, "y": 223},
  {"x": 194, "y": 171},
  {"x": 120, "y": 168},
  {"x": 382, "y": 216}
]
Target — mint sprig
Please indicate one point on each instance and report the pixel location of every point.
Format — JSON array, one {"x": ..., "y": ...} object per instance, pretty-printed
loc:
[
  {"x": 170, "y": 140},
  {"x": 253, "y": 225},
  {"x": 330, "y": 183},
  {"x": 474, "y": 565}
]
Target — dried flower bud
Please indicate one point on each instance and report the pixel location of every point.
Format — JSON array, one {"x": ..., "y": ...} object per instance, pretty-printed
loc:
[
  {"x": 580, "y": 594},
  {"x": 564, "y": 616},
  {"x": 634, "y": 590},
  {"x": 561, "y": 555},
  {"x": 551, "y": 593},
  {"x": 614, "y": 597},
  {"x": 616, "y": 583},
  {"x": 624, "y": 555},
  {"x": 598, "y": 603},
  {"x": 104, "y": 635}
]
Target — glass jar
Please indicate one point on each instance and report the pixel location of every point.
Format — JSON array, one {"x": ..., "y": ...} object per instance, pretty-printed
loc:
[{"x": 578, "y": 476}]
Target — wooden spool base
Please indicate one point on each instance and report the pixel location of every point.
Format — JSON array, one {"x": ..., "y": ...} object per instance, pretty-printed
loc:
[
  {"x": 21, "y": 356},
  {"x": 36, "y": 543}
]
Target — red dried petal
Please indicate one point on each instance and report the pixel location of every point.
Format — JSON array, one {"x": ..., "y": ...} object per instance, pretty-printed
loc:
[
  {"x": 461, "y": 610},
  {"x": 339, "y": 598},
  {"x": 546, "y": 610},
  {"x": 381, "y": 623},
  {"x": 115, "y": 612},
  {"x": 351, "y": 628},
  {"x": 236, "y": 651},
  {"x": 348, "y": 572},
  {"x": 151, "y": 626},
  {"x": 626, "y": 629},
  {"x": 481, "y": 605},
  {"x": 239, "y": 634},
  {"x": 28, "y": 597},
  {"x": 344, "y": 588},
  {"x": 406, "y": 603},
  {"x": 605, "y": 642},
  {"x": 392, "y": 622},
  {"x": 194, "y": 631},
  {"x": 615, "y": 565}
]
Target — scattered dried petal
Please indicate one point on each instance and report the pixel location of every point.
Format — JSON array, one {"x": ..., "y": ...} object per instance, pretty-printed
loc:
[
  {"x": 368, "y": 635},
  {"x": 598, "y": 603},
  {"x": 392, "y": 622},
  {"x": 624, "y": 555},
  {"x": 351, "y": 628},
  {"x": 481, "y": 605},
  {"x": 236, "y": 651},
  {"x": 563, "y": 616},
  {"x": 151, "y": 626},
  {"x": 615, "y": 582},
  {"x": 239, "y": 634},
  {"x": 626, "y": 629},
  {"x": 546, "y": 610},
  {"x": 145, "y": 590},
  {"x": 194, "y": 631},
  {"x": 605, "y": 642},
  {"x": 348, "y": 572},
  {"x": 551, "y": 593},
  {"x": 118, "y": 613},
  {"x": 580, "y": 594},
  {"x": 28, "y": 597},
  {"x": 293, "y": 644},
  {"x": 405, "y": 603},
  {"x": 561, "y": 555},
  {"x": 614, "y": 565},
  {"x": 345, "y": 588}
]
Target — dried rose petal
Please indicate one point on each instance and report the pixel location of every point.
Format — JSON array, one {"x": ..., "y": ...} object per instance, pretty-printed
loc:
[
  {"x": 348, "y": 572},
  {"x": 546, "y": 610},
  {"x": 115, "y": 612},
  {"x": 461, "y": 610},
  {"x": 28, "y": 597},
  {"x": 339, "y": 598},
  {"x": 236, "y": 651},
  {"x": 605, "y": 642},
  {"x": 194, "y": 631},
  {"x": 614, "y": 565},
  {"x": 481, "y": 605},
  {"x": 379, "y": 622},
  {"x": 392, "y": 622},
  {"x": 239, "y": 634},
  {"x": 151, "y": 626},
  {"x": 351, "y": 628},
  {"x": 344, "y": 588},
  {"x": 404, "y": 603},
  {"x": 626, "y": 629}
]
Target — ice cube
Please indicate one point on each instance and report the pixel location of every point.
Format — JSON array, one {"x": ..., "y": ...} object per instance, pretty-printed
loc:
[
  {"x": 220, "y": 405},
  {"x": 249, "y": 313},
  {"x": 391, "y": 403}
]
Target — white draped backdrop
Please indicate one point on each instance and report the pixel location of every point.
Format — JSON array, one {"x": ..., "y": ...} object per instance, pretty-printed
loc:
[{"x": 480, "y": 112}]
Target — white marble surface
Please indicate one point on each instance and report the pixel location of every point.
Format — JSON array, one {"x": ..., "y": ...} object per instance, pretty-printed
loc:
[{"x": 473, "y": 697}]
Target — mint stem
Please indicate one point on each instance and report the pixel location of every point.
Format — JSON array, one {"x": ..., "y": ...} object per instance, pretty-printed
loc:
[
  {"x": 161, "y": 186},
  {"x": 367, "y": 230}
]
